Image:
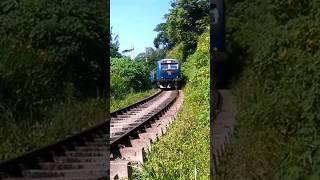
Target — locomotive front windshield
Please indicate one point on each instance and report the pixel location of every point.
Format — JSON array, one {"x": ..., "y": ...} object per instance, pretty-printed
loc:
[{"x": 169, "y": 66}]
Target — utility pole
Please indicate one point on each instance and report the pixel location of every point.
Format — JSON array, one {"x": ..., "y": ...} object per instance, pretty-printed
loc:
[{"x": 146, "y": 55}]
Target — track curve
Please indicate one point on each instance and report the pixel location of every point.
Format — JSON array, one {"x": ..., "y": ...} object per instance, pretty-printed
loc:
[
  {"x": 132, "y": 133},
  {"x": 86, "y": 155}
]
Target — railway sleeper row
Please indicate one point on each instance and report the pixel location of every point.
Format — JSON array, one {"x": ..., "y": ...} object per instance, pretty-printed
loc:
[
  {"x": 118, "y": 128},
  {"x": 223, "y": 128},
  {"x": 132, "y": 152},
  {"x": 83, "y": 156}
]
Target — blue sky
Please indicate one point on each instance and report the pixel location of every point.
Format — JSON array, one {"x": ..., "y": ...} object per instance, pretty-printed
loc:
[{"x": 135, "y": 20}]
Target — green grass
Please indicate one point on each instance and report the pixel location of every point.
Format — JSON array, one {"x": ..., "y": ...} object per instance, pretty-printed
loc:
[
  {"x": 277, "y": 92},
  {"x": 129, "y": 99},
  {"x": 184, "y": 151},
  {"x": 254, "y": 150},
  {"x": 63, "y": 120}
]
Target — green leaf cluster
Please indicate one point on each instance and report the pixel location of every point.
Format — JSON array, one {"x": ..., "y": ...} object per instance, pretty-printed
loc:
[
  {"x": 151, "y": 56},
  {"x": 185, "y": 21},
  {"x": 50, "y": 50},
  {"x": 128, "y": 76}
]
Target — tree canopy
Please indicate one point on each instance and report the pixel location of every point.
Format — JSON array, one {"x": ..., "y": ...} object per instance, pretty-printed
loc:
[
  {"x": 54, "y": 45},
  {"x": 185, "y": 21},
  {"x": 114, "y": 45}
]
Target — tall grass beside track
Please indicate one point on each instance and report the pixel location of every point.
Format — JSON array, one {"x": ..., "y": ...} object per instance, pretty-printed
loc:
[
  {"x": 129, "y": 99},
  {"x": 63, "y": 120},
  {"x": 278, "y": 92},
  {"x": 183, "y": 152}
]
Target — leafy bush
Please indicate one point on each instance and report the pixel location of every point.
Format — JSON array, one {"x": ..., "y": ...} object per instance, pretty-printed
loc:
[
  {"x": 26, "y": 84},
  {"x": 72, "y": 34},
  {"x": 178, "y": 52},
  {"x": 197, "y": 71},
  {"x": 128, "y": 76},
  {"x": 185, "y": 22},
  {"x": 52, "y": 55},
  {"x": 53, "y": 45}
]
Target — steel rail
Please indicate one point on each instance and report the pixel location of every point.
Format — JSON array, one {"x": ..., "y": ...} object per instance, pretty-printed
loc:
[
  {"x": 14, "y": 167},
  {"x": 115, "y": 142}
]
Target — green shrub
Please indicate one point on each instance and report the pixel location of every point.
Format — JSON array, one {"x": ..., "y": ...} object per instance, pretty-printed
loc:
[
  {"x": 52, "y": 54},
  {"x": 178, "y": 52},
  {"x": 119, "y": 87},
  {"x": 128, "y": 76},
  {"x": 72, "y": 34},
  {"x": 185, "y": 22},
  {"x": 26, "y": 85}
]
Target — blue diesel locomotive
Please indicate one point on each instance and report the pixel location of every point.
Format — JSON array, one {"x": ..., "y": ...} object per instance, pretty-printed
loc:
[{"x": 166, "y": 74}]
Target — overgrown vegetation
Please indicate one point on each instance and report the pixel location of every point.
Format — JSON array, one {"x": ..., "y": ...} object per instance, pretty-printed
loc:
[
  {"x": 151, "y": 56},
  {"x": 63, "y": 120},
  {"x": 52, "y": 71},
  {"x": 185, "y": 21},
  {"x": 183, "y": 153},
  {"x": 129, "y": 98},
  {"x": 278, "y": 92},
  {"x": 128, "y": 76}
]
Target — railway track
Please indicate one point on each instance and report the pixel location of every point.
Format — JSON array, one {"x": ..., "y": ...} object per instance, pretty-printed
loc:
[
  {"x": 133, "y": 132},
  {"x": 86, "y": 155},
  {"x": 82, "y": 156},
  {"x": 222, "y": 128}
]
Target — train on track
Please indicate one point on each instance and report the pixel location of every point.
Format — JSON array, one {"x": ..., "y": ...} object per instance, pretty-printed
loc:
[{"x": 166, "y": 75}]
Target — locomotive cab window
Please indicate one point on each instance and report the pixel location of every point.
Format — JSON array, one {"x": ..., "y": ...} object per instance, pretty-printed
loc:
[
  {"x": 169, "y": 66},
  {"x": 164, "y": 66},
  {"x": 173, "y": 66}
]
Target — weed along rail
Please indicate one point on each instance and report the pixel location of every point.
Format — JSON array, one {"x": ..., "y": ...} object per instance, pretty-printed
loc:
[
  {"x": 81, "y": 156},
  {"x": 133, "y": 132},
  {"x": 86, "y": 155}
]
